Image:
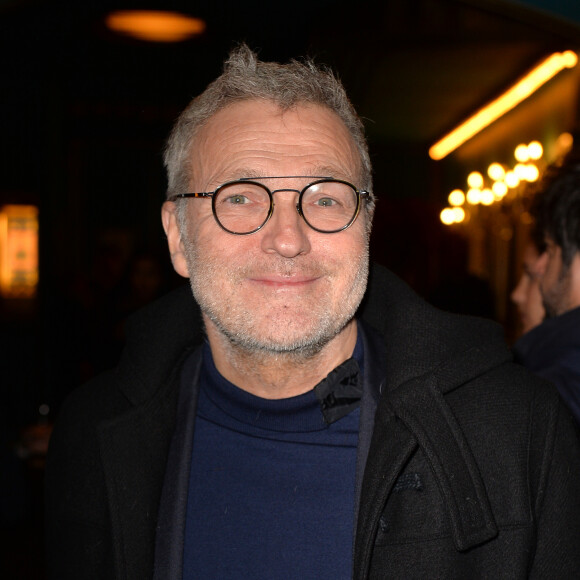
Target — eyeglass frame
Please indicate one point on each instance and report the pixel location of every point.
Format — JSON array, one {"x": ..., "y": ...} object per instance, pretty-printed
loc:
[{"x": 360, "y": 194}]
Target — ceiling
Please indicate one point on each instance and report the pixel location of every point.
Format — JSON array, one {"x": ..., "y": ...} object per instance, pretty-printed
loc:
[{"x": 413, "y": 69}]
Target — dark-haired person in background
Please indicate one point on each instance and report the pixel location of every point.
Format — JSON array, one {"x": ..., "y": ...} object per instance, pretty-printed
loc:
[
  {"x": 552, "y": 349},
  {"x": 286, "y": 421},
  {"x": 526, "y": 294}
]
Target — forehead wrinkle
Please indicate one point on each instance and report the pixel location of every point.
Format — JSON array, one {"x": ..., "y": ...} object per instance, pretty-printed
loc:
[
  {"x": 234, "y": 141},
  {"x": 317, "y": 172}
]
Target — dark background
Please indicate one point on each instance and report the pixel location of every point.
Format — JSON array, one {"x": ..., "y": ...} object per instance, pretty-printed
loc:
[{"x": 84, "y": 114}]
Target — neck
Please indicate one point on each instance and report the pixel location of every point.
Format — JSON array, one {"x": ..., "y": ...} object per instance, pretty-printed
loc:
[{"x": 273, "y": 375}]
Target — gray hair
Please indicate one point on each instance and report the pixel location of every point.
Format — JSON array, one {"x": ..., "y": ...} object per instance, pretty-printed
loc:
[{"x": 244, "y": 78}]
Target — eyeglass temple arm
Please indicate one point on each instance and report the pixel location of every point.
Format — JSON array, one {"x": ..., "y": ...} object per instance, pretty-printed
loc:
[{"x": 184, "y": 195}]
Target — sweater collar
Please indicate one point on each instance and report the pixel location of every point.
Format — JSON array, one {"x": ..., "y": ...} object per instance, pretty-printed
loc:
[{"x": 335, "y": 396}]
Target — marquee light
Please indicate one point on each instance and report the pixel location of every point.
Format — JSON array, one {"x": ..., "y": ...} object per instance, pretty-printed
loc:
[{"x": 520, "y": 91}]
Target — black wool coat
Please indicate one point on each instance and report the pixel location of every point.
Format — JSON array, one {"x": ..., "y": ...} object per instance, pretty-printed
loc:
[{"x": 472, "y": 468}]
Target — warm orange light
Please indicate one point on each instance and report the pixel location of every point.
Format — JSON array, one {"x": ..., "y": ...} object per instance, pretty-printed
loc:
[
  {"x": 535, "y": 150},
  {"x": 511, "y": 179},
  {"x": 474, "y": 196},
  {"x": 458, "y": 214},
  {"x": 564, "y": 143},
  {"x": 475, "y": 179},
  {"x": 447, "y": 216},
  {"x": 452, "y": 215},
  {"x": 18, "y": 251},
  {"x": 499, "y": 189},
  {"x": 456, "y": 198},
  {"x": 155, "y": 25},
  {"x": 532, "y": 173},
  {"x": 521, "y": 153},
  {"x": 496, "y": 171},
  {"x": 521, "y": 170},
  {"x": 487, "y": 197},
  {"x": 542, "y": 73}
]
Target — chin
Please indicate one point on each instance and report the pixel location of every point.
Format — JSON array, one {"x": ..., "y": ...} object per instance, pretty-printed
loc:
[{"x": 284, "y": 339}]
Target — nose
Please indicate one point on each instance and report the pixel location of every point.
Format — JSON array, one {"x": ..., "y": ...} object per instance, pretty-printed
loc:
[
  {"x": 518, "y": 293},
  {"x": 286, "y": 233}
]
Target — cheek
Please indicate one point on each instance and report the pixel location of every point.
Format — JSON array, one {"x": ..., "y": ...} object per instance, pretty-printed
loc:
[
  {"x": 345, "y": 245},
  {"x": 225, "y": 252},
  {"x": 351, "y": 261},
  {"x": 208, "y": 238}
]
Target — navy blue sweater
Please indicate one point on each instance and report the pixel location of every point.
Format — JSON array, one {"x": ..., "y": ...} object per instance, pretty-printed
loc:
[{"x": 271, "y": 491}]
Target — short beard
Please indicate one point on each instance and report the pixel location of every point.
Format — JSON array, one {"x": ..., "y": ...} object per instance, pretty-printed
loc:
[
  {"x": 303, "y": 349},
  {"x": 555, "y": 300},
  {"x": 240, "y": 336}
]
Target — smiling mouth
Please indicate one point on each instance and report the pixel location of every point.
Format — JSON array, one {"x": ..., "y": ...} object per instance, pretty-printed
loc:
[{"x": 284, "y": 281}]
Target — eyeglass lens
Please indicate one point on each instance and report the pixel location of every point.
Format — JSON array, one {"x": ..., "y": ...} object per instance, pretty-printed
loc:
[{"x": 243, "y": 207}]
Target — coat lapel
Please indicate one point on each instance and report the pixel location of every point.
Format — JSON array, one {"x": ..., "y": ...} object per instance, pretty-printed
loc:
[
  {"x": 422, "y": 367},
  {"x": 391, "y": 447},
  {"x": 134, "y": 450},
  {"x": 170, "y": 539}
]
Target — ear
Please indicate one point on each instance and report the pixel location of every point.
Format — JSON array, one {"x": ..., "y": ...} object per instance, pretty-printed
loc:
[{"x": 171, "y": 227}]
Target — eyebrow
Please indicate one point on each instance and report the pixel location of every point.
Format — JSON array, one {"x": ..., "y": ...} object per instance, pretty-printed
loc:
[
  {"x": 319, "y": 172},
  {"x": 287, "y": 177}
]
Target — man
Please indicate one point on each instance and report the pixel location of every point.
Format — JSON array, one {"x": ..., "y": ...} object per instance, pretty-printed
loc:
[
  {"x": 300, "y": 439},
  {"x": 552, "y": 350},
  {"x": 526, "y": 295}
]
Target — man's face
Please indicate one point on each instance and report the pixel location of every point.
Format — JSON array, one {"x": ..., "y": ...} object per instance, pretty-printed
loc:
[
  {"x": 555, "y": 280},
  {"x": 526, "y": 295},
  {"x": 285, "y": 288}
]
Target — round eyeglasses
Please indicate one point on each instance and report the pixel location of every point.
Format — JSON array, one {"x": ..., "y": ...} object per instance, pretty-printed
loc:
[{"x": 244, "y": 206}]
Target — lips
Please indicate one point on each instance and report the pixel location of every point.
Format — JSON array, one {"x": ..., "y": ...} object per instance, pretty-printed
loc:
[{"x": 277, "y": 281}]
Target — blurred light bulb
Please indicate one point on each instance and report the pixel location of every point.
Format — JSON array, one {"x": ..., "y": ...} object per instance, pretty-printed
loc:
[
  {"x": 487, "y": 197},
  {"x": 521, "y": 170},
  {"x": 532, "y": 172},
  {"x": 475, "y": 179},
  {"x": 456, "y": 197},
  {"x": 499, "y": 189},
  {"x": 474, "y": 196},
  {"x": 447, "y": 216},
  {"x": 535, "y": 150},
  {"x": 511, "y": 179},
  {"x": 521, "y": 153},
  {"x": 564, "y": 142},
  {"x": 496, "y": 171},
  {"x": 458, "y": 214}
]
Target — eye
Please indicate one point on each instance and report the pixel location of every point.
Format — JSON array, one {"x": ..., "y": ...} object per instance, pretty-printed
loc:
[
  {"x": 236, "y": 199},
  {"x": 242, "y": 196},
  {"x": 325, "y": 202},
  {"x": 329, "y": 195}
]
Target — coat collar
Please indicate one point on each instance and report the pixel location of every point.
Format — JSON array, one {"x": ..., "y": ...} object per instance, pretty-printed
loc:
[{"x": 429, "y": 354}]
